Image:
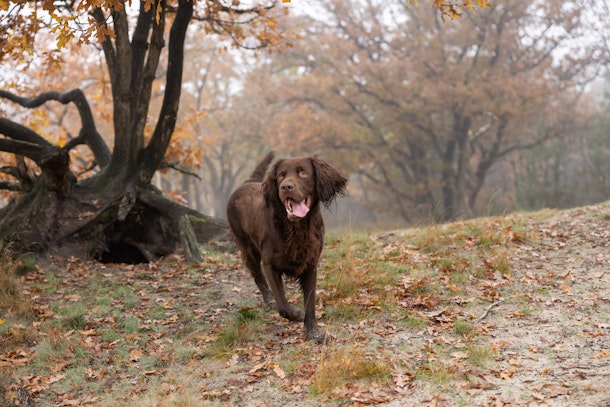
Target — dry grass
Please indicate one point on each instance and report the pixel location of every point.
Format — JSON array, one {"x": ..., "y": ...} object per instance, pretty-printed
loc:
[
  {"x": 350, "y": 364},
  {"x": 13, "y": 303},
  {"x": 357, "y": 279},
  {"x": 480, "y": 355},
  {"x": 244, "y": 326},
  {"x": 436, "y": 374}
]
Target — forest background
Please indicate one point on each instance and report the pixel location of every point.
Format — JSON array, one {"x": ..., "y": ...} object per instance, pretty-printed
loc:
[{"x": 505, "y": 108}]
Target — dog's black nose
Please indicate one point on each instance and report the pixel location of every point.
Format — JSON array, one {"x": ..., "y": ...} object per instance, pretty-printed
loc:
[{"x": 287, "y": 186}]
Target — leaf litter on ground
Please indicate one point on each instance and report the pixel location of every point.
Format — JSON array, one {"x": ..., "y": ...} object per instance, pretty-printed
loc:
[{"x": 511, "y": 310}]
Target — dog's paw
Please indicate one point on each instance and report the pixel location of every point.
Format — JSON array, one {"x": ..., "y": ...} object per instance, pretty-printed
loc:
[
  {"x": 318, "y": 335},
  {"x": 270, "y": 305},
  {"x": 293, "y": 313}
]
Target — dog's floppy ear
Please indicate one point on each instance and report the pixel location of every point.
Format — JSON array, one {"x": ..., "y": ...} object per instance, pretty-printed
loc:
[
  {"x": 270, "y": 187},
  {"x": 329, "y": 181}
]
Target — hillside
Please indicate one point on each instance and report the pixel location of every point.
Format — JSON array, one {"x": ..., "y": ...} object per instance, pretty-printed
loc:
[{"x": 511, "y": 310}]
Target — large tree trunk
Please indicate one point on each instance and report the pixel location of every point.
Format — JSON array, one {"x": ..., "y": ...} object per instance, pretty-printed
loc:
[
  {"x": 134, "y": 226},
  {"x": 109, "y": 216}
]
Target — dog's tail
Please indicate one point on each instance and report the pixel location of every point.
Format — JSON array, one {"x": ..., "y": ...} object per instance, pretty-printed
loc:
[{"x": 259, "y": 172}]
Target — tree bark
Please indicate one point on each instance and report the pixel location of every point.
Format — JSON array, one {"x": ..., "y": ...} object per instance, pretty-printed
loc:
[{"x": 153, "y": 154}]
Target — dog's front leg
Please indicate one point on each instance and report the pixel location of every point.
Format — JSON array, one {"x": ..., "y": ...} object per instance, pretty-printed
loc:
[
  {"x": 308, "y": 285},
  {"x": 284, "y": 308}
]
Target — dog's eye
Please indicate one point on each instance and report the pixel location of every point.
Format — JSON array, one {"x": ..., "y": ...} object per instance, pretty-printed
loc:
[{"x": 303, "y": 173}]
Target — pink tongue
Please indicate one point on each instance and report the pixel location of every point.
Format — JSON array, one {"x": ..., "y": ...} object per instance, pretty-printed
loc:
[{"x": 299, "y": 209}]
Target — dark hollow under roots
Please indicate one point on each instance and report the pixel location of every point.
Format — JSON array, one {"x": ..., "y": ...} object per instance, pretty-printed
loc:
[{"x": 121, "y": 252}]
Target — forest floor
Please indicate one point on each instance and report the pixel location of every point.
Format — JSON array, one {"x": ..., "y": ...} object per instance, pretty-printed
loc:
[{"x": 500, "y": 311}]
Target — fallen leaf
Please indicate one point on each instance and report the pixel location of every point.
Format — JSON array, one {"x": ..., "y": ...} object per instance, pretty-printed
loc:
[
  {"x": 257, "y": 369},
  {"x": 233, "y": 361},
  {"x": 533, "y": 349},
  {"x": 591, "y": 334},
  {"x": 538, "y": 396},
  {"x": 279, "y": 371},
  {"x": 506, "y": 374},
  {"x": 552, "y": 390},
  {"x": 515, "y": 314},
  {"x": 401, "y": 382},
  {"x": 436, "y": 314},
  {"x": 454, "y": 288},
  {"x": 590, "y": 387},
  {"x": 602, "y": 354},
  {"x": 459, "y": 355},
  {"x": 53, "y": 379},
  {"x": 135, "y": 355}
]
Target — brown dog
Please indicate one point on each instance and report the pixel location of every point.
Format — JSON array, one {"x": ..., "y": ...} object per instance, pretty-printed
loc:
[{"x": 278, "y": 222}]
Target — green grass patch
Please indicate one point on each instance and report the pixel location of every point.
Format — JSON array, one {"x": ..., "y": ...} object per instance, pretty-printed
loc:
[
  {"x": 73, "y": 315},
  {"x": 245, "y": 325},
  {"x": 414, "y": 321},
  {"x": 126, "y": 296},
  {"x": 357, "y": 278},
  {"x": 51, "y": 349},
  {"x": 463, "y": 328},
  {"x": 483, "y": 235},
  {"x": 343, "y": 312},
  {"x": 435, "y": 373},
  {"x": 480, "y": 355},
  {"x": 131, "y": 324},
  {"x": 25, "y": 263}
]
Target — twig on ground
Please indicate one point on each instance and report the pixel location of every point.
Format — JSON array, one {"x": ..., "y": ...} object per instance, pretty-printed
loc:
[
  {"x": 493, "y": 304},
  {"x": 24, "y": 396}
]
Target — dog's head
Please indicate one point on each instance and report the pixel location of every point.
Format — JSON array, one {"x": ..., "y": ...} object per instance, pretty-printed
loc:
[{"x": 300, "y": 184}]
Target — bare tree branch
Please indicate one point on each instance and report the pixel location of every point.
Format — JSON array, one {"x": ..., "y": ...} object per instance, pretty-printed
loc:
[
  {"x": 21, "y": 133},
  {"x": 11, "y": 186},
  {"x": 88, "y": 133}
]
